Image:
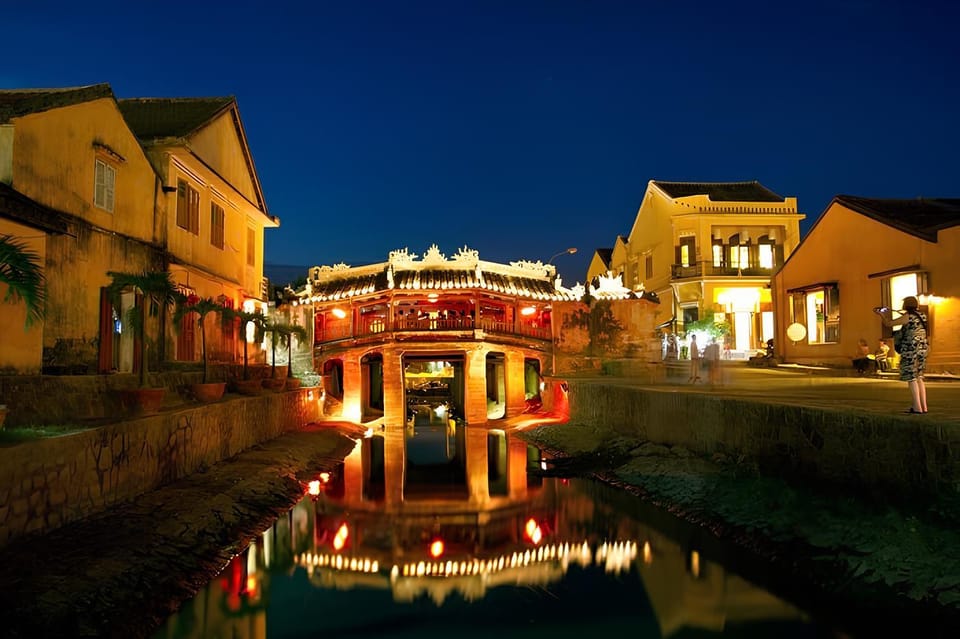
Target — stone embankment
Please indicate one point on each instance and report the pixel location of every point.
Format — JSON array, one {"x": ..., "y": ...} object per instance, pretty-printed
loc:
[
  {"x": 841, "y": 445},
  {"x": 47, "y": 483}
]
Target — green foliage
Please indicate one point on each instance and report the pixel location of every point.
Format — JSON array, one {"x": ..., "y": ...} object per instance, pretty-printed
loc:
[
  {"x": 202, "y": 308},
  {"x": 603, "y": 328},
  {"x": 247, "y": 317},
  {"x": 707, "y": 325},
  {"x": 159, "y": 292},
  {"x": 22, "y": 271},
  {"x": 278, "y": 331}
]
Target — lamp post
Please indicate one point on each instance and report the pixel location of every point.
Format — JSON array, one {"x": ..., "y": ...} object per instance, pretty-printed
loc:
[{"x": 570, "y": 250}]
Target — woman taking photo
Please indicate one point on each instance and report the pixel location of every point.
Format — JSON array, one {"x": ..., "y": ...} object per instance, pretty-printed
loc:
[{"x": 912, "y": 347}]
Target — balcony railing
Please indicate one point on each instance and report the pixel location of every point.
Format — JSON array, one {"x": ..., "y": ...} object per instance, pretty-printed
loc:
[
  {"x": 337, "y": 332},
  {"x": 707, "y": 269}
]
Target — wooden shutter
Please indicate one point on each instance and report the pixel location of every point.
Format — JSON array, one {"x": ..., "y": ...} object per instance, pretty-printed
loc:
[{"x": 105, "y": 356}]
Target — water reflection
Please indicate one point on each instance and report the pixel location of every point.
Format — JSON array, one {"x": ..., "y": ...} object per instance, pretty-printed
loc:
[{"x": 362, "y": 554}]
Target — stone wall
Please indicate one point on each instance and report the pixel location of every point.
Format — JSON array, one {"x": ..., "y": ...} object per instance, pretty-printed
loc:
[
  {"x": 849, "y": 447},
  {"x": 47, "y": 483}
]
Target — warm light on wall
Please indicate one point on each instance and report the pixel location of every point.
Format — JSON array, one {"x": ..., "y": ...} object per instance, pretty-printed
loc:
[
  {"x": 436, "y": 548},
  {"x": 339, "y": 313},
  {"x": 528, "y": 310},
  {"x": 340, "y": 539},
  {"x": 314, "y": 487}
]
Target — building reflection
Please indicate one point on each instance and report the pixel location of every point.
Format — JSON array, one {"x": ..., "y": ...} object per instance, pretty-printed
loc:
[{"x": 462, "y": 525}]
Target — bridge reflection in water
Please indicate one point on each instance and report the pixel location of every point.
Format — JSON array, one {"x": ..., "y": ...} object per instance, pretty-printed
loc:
[{"x": 511, "y": 552}]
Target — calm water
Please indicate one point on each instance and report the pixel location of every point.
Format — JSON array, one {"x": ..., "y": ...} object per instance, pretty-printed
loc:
[{"x": 521, "y": 556}]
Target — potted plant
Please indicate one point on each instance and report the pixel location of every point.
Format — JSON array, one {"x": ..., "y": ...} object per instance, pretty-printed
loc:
[
  {"x": 158, "y": 293},
  {"x": 21, "y": 271},
  {"x": 280, "y": 330},
  {"x": 289, "y": 332},
  {"x": 245, "y": 385},
  {"x": 205, "y": 391}
]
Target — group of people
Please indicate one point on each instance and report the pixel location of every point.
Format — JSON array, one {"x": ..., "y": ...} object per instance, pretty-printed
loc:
[
  {"x": 868, "y": 361},
  {"x": 710, "y": 357}
]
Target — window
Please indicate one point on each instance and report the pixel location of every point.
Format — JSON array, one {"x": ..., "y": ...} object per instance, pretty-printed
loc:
[
  {"x": 818, "y": 309},
  {"x": 648, "y": 267},
  {"x": 104, "y": 181},
  {"x": 688, "y": 250},
  {"x": 188, "y": 207},
  {"x": 896, "y": 287},
  {"x": 216, "y": 225},
  {"x": 717, "y": 254},
  {"x": 739, "y": 256},
  {"x": 251, "y": 247},
  {"x": 766, "y": 255}
]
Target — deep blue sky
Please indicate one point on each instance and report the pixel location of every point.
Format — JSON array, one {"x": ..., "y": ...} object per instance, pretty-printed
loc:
[{"x": 522, "y": 128}]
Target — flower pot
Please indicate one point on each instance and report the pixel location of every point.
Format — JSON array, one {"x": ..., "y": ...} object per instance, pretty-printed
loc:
[
  {"x": 3, "y": 414},
  {"x": 209, "y": 392},
  {"x": 142, "y": 401},
  {"x": 247, "y": 386},
  {"x": 275, "y": 384}
]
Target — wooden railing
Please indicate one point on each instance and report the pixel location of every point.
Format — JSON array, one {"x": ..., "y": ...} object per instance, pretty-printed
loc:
[
  {"x": 700, "y": 269},
  {"x": 377, "y": 326}
]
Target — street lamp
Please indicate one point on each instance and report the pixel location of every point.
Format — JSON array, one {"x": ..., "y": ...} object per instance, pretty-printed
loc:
[{"x": 570, "y": 250}]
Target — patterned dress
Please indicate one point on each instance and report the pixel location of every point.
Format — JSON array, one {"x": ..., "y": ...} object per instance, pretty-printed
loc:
[{"x": 913, "y": 354}]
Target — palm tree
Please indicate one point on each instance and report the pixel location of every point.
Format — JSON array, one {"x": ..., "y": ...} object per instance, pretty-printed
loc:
[
  {"x": 21, "y": 269},
  {"x": 202, "y": 307},
  {"x": 246, "y": 317},
  {"x": 280, "y": 330},
  {"x": 158, "y": 291},
  {"x": 289, "y": 332}
]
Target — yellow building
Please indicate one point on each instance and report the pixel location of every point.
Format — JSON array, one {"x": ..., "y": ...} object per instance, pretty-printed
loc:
[
  {"x": 95, "y": 185},
  {"x": 80, "y": 190},
  {"x": 863, "y": 253},
  {"x": 213, "y": 210},
  {"x": 710, "y": 249}
]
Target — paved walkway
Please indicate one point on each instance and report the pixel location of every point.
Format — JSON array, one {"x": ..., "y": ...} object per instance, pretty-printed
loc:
[{"x": 817, "y": 387}]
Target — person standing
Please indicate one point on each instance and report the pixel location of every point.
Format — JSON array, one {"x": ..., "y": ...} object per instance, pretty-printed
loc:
[
  {"x": 913, "y": 350},
  {"x": 694, "y": 359},
  {"x": 711, "y": 355}
]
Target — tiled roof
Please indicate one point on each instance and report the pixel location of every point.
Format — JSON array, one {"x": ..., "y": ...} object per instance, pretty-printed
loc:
[
  {"x": 16, "y": 206},
  {"x": 721, "y": 191},
  {"x": 434, "y": 280},
  {"x": 152, "y": 118},
  {"x": 921, "y": 217},
  {"x": 15, "y": 103}
]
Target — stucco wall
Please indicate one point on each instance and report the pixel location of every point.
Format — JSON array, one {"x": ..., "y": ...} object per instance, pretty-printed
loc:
[
  {"x": 48, "y": 483},
  {"x": 801, "y": 442}
]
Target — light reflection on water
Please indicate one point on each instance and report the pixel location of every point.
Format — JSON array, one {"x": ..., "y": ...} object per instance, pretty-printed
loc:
[{"x": 520, "y": 555}]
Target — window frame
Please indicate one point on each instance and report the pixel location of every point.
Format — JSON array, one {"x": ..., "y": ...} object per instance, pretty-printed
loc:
[
  {"x": 217, "y": 225},
  {"x": 829, "y": 325},
  {"x": 251, "y": 246},
  {"x": 108, "y": 202},
  {"x": 188, "y": 216}
]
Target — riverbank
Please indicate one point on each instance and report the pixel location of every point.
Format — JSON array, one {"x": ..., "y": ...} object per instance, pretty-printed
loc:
[
  {"x": 849, "y": 556},
  {"x": 122, "y": 572}
]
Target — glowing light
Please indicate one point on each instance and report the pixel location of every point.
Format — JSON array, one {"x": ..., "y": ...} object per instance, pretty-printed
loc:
[
  {"x": 926, "y": 300},
  {"x": 436, "y": 548},
  {"x": 432, "y": 297},
  {"x": 647, "y": 553},
  {"x": 694, "y": 563},
  {"x": 440, "y": 410},
  {"x": 251, "y": 584},
  {"x": 314, "y": 487},
  {"x": 340, "y": 539},
  {"x": 543, "y": 464},
  {"x": 339, "y": 313},
  {"x": 533, "y": 532},
  {"x": 324, "y": 477},
  {"x": 528, "y": 310},
  {"x": 367, "y": 434}
]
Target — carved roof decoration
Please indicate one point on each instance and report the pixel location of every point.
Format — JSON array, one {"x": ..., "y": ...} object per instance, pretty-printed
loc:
[{"x": 462, "y": 271}]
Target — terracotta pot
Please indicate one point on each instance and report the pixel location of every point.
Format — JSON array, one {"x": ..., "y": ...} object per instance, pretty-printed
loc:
[
  {"x": 209, "y": 392},
  {"x": 293, "y": 383},
  {"x": 248, "y": 386},
  {"x": 3, "y": 414},
  {"x": 142, "y": 401}
]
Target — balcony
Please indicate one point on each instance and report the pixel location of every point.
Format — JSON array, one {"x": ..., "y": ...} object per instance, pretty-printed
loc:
[
  {"x": 707, "y": 269},
  {"x": 460, "y": 328}
]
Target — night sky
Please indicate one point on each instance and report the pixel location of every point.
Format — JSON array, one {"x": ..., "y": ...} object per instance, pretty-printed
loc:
[{"x": 523, "y": 128}]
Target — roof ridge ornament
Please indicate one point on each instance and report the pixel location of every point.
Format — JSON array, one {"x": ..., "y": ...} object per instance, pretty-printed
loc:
[
  {"x": 537, "y": 267},
  {"x": 402, "y": 258},
  {"x": 433, "y": 256}
]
